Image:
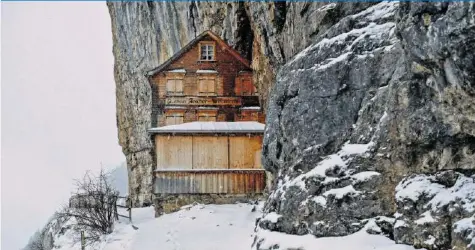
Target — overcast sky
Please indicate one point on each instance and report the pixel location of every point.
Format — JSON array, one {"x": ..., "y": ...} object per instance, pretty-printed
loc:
[{"x": 57, "y": 108}]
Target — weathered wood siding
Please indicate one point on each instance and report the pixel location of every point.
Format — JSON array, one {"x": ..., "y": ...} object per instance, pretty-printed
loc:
[
  {"x": 174, "y": 152},
  {"x": 210, "y": 182},
  {"x": 243, "y": 151},
  {"x": 209, "y": 164},
  {"x": 210, "y": 152}
]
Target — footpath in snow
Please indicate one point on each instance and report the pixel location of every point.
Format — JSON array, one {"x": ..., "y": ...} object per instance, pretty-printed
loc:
[{"x": 216, "y": 227}]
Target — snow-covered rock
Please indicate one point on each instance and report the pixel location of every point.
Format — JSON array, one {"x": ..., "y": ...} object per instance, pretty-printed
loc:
[{"x": 436, "y": 211}]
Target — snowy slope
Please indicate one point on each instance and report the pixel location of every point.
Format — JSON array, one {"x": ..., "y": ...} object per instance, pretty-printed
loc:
[{"x": 215, "y": 227}]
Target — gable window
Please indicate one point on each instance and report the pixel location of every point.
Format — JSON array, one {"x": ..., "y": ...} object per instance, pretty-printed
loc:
[
  {"x": 175, "y": 87},
  {"x": 207, "y": 51},
  {"x": 207, "y": 87},
  {"x": 173, "y": 119}
]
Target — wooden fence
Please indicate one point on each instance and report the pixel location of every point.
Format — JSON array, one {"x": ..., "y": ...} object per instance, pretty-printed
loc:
[{"x": 127, "y": 205}]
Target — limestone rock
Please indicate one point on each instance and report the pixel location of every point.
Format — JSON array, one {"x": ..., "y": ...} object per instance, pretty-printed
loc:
[
  {"x": 358, "y": 96},
  {"x": 436, "y": 211},
  {"x": 396, "y": 79}
]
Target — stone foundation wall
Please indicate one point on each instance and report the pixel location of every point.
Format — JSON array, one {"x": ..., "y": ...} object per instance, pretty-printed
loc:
[{"x": 169, "y": 203}]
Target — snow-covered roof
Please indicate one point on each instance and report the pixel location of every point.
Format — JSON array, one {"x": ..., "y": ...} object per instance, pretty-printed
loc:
[
  {"x": 212, "y": 108},
  {"x": 210, "y": 128},
  {"x": 206, "y": 71},
  {"x": 177, "y": 71},
  {"x": 176, "y": 107},
  {"x": 251, "y": 108}
]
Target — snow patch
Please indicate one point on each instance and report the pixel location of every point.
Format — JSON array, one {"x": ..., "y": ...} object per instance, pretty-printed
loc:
[
  {"x": 400, "y": 223},
  {"x": 355, "y": 149},
  {"x": 177, "y": 71},
  {"x": 430, "y": 241},
  {"x": 206, "y": 71},
  {"x": 357, "y": 241},
  {"x": 426, "y": 218},
  {"x": 320, "y": 200},
  {"x": 339, "y": 193},
  {"x": 466, "y": 226},
  {"x": 273, "y": 217},
  {"x": 364, "y": 176},
  {"x": 421, "y": 185}
]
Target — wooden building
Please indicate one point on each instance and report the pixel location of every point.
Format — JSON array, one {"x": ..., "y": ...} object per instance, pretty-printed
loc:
[
  {"x": 209, "y": 158},
  {"x": 207, "y": 125},
  {"x": 206, "y": 80}
]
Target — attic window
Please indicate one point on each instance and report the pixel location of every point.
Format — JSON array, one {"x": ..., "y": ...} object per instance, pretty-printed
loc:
[{"x": 207, "y": 51}]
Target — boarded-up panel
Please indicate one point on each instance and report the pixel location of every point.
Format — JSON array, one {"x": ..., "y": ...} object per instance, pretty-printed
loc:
[
  {"x": 210, "y": 152},
  {"x": 174, "y": 152},
  {"x": 243, "y": 152},
  {"x": 209, "y": 182}
]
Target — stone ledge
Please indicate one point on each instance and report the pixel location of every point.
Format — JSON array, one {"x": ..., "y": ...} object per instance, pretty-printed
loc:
[{"x": 169, "y": 203}]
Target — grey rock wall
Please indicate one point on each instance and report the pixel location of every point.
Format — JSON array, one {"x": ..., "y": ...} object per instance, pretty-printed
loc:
[
  {"x": 382, "y": 94},
  {"x": 358, "y": 96}
]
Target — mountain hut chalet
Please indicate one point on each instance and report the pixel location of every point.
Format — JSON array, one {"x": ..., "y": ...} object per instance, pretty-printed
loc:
[{"x": 207, "y": 127}]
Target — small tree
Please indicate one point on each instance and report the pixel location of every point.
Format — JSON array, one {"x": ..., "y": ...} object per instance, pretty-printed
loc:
[
  {"x": 92, "y": 206},
  {"x": 35, "y": 242}
]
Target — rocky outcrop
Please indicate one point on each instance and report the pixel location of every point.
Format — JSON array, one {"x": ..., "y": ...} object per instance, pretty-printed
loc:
[
  {"x": 436, "y": 211},
  {"x": 327, "y": 118},
  {"x": 382, "y": 94},
  {"x": 358, "y": 96}
]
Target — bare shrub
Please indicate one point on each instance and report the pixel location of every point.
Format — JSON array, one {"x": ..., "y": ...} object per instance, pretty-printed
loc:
[{"x": 92, "y": 208}]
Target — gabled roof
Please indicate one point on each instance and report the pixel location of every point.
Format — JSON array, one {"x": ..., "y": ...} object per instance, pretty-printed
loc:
[
  {"x": 210, "y": 128},
  {"x": 193, "y": 43}
]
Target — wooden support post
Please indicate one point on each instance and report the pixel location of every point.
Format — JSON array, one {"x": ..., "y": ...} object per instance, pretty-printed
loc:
[
  {"x": 130, "y": 210},
  {"x": 115, "y": 208},
  {"x": 83, "y": 241}
]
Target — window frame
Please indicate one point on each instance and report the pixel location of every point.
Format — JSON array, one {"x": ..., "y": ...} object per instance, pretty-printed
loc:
[
  {"x": 207, "y": 113},
  {"x": 207, "y": 93},
  {"x": 253, "y": 88},
  {"x": 213, "y": 56},
  {"x": 174, "y": 116},
  {"x": 208, "y": 116},
  {"x": 175, "y": 93}
]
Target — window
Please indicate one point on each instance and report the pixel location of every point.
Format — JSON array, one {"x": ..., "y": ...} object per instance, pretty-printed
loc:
[
  {"x": 206, "y": 118},
  {"x": 175, "y": 87},
  {"x": 207, "y": 51},
  {"x": 173, "y": 119},
  {"x": 206, "y": 87},
  {"x": 247, "y": 88}
]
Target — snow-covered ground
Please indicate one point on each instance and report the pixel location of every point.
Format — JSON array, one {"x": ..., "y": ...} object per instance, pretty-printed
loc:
[{"x": 216, "y": 227}]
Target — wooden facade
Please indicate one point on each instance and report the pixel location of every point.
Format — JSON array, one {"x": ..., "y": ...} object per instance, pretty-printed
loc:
[
  {"x": 205, "y": 81},
  {"x": 209, "y": 164},
  {"x": 185, "y": 152},
  {"x": 199, "y": 160}
]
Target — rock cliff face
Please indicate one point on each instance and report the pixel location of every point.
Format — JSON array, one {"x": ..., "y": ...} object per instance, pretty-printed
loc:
[
  {"x": 146, "y": 34},
  {"x": 365, "y": 103}
]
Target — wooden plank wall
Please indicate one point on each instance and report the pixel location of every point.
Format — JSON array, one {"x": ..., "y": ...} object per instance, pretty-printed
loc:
[
  {"x": 210, "y": 182},
  {"x": 174, "y": 152},
  {"x": 243, "y": 150},
  {"x": 209, "y": 164},
  {"x": 210, "y": 152}
]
